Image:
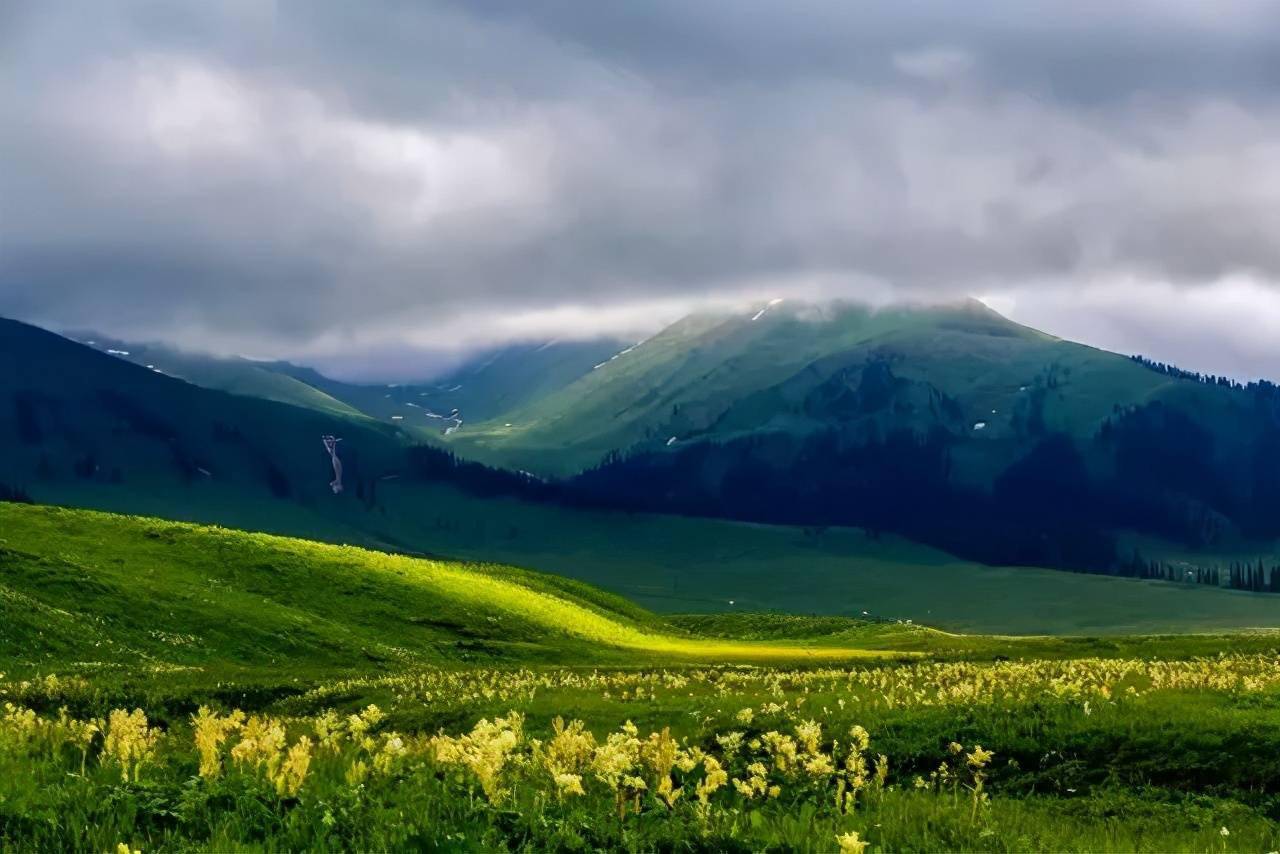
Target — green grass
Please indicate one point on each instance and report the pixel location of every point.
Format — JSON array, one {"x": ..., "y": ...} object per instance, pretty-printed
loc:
[
  {"x": 95, "y": 589},
  {"x": 177, "y": 451},
  {"x": 673, "y": 565},
  {"x": 682, "y": 565},
  {"x": 1134, "y": 743}
]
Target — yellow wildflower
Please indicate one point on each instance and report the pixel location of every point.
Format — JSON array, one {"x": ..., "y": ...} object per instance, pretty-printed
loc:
[
  {"x": 569, "y": 784},
  {"x": 730, "y": 743},
  {"x": 484, "y": 751},
  {"x": 129, "y": 741},
  {"x": 850, "y": 843},
  {"x": 714, "y": 779},
  {"x": 979, "y": 757},
  {"x": 357, "y": 772},
  {"x": 261, "y": 741},
  {"x": 809, "y": 733},
  {"x": 210, "y": 731},
  {"x": 293, "y": 771}
]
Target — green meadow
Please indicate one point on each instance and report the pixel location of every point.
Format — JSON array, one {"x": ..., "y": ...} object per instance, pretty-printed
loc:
[
  {"x": 179, "y": 687},
  {"x": 673, "y": 565}
]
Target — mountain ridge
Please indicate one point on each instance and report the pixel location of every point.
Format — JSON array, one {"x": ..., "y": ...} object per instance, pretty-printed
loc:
[{"x": 948, "y": 425}]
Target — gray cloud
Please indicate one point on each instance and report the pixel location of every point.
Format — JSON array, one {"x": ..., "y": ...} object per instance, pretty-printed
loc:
[{"x": 306, "y": 179}]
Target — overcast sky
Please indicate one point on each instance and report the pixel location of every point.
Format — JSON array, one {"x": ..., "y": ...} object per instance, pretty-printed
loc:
[{"x": 329, "y": 179}]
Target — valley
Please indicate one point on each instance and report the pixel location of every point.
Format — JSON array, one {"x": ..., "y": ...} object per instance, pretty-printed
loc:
[{"x": 845, "y": 439}]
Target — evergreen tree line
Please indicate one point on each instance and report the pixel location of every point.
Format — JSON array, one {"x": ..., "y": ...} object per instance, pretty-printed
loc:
[
  {"x": 14, "y": 494},
  {"x": 1263, "y": 387},
  {"x": 1138, "y": 566}
]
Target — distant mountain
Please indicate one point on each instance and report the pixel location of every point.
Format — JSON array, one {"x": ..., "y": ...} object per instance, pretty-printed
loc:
[
  {"x": 268, "y": 380},
  {"x": 84, "y": 426},
  {"x": 483, "y": 387},
  {"x": 951, "y": 425},
  {"x": 798, "y": 369}
]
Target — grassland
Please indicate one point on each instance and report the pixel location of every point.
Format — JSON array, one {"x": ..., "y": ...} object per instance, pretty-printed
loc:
[
  {"x": 182, "y": 687},
  {"x": 675, "y": 565},
  {"x": 121, "y": 591},
  {"x": 99, "y": 432}
]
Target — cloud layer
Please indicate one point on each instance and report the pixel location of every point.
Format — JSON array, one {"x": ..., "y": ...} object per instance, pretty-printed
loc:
[{"x": 308, "y": 178}]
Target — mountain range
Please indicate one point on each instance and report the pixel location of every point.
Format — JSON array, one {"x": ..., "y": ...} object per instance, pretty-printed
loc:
[{"x": 947, "y": 425}]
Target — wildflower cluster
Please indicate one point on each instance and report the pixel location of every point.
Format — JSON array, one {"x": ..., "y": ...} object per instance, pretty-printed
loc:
[{"x": 777, "y": 756}]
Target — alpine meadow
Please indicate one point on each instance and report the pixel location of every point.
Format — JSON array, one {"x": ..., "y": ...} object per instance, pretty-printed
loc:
[{"x": 642, "y": 427}]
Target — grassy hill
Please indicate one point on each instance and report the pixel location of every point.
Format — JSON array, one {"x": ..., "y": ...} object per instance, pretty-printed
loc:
[
  {"x": 675, "y": 384},
  {"x": 676, "y": 565},
  {"x": 100, "y": 590},
  {"x": 74, "y": 418},
  {"x": 672, "y": 564}
]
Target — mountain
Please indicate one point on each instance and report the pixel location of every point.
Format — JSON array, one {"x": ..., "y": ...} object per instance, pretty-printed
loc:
[
  {"x": 866, "y": 431},
  {"x": 267, "y": 380},
  {"x": 486, "y": 385},
  {"x": 798, "y": 369},
  {"x": 950, "y": 425},
  {"x": 85, "y": 427}
]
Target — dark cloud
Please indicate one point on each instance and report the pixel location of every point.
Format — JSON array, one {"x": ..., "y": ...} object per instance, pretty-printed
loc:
[{"x": 312, "y": 178}]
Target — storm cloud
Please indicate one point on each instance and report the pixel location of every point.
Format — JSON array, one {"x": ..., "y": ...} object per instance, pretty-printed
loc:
[{"x": 310, "y": 178}]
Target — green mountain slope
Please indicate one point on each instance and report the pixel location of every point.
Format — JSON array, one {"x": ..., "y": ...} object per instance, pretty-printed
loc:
[
  {"x": 675, "y": 384},
  {"x": 230, "y": 374},
  {"x": 484, "y": 387},
  {"x": 82, "y": 428},
  {"x": 801, "y": 368},
  {"x": 950, "y": 425},
  {"x": 76, "y": 421}
]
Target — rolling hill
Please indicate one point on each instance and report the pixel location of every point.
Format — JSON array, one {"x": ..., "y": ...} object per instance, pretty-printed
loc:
[
  {"x": 230, "y": 374},
  {"x": 111, "y": 591},
  {"x": 194, "y": 688}
]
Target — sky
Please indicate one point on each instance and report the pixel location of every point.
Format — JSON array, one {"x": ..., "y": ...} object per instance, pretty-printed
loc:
[{"x": 377, "y": 183}]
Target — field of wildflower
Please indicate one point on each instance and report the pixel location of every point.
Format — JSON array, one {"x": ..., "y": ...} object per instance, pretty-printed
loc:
[
  {"x": 1031, "y": 755},
  {"x": 174, "y": 687}
]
